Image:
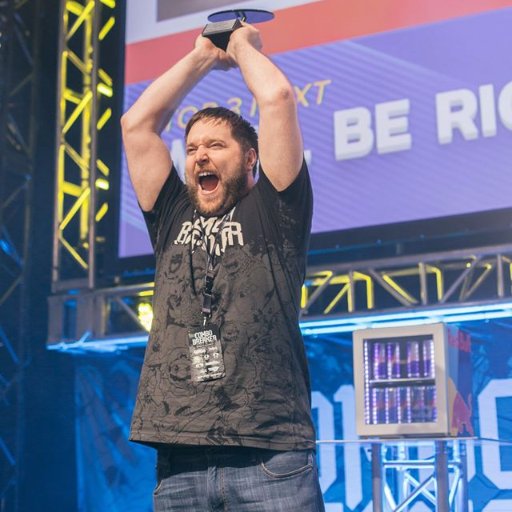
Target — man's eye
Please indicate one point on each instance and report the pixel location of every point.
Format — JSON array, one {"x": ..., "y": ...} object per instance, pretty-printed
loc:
[{"x": 191, "y": 151}]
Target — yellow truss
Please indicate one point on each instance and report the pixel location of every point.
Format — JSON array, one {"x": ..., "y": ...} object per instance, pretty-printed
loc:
[{"x": 84, "y": 91}]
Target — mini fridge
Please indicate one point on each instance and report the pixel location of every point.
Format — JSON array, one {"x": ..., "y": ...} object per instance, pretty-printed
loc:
[{"x": 413, "y": 381}]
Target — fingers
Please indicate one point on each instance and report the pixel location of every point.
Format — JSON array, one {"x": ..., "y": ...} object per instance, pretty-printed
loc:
[
  {"x": 243, "y": 36},
  {"x": 221, "y": 58},
  {"x": 250, "y": 34},
  {"x": 204, "y": 43}
]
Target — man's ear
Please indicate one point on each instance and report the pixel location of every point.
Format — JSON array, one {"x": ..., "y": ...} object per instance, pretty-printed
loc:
[{"x": 251, "y": 158}]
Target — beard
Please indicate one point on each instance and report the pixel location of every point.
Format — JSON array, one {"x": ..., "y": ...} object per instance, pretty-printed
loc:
[{"x": 234, "y": 188}]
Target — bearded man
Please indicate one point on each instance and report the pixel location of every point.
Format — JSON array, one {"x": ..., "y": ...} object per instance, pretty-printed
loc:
[{"x": 224, "y": 393}]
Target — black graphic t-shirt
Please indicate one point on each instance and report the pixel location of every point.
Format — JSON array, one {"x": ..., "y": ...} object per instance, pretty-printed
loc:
[{"x": 263, "y": 400}]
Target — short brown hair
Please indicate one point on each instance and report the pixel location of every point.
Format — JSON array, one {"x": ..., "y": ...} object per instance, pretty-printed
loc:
[{"x": 241, "y": 130}]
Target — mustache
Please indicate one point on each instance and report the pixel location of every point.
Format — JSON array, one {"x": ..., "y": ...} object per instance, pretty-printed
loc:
[{"x": 233, "y": 189}]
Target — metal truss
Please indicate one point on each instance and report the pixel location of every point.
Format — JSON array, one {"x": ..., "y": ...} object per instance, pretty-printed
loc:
[
  {"x": 396, "y": 484},
  {"x": 428, "y": 285},
  {"x": 411, "y": 282},
  {"x": 84, "y": 110},
  {"x": 18, "y": 57}
]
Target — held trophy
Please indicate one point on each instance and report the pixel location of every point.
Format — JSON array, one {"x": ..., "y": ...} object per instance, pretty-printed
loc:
[{"x": 224, "y": 23}]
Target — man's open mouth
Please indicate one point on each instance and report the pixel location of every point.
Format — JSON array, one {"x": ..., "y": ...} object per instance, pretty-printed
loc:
[{"x": 208, "y": 181}]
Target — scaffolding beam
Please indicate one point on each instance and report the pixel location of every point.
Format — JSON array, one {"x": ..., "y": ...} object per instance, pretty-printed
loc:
[
  {"x": 471, "y": 279},
  {"x": 84, "y": 110},
  {"x": 19, "y": 34}
]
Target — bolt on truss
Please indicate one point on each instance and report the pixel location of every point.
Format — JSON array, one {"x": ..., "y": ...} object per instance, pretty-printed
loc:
[
  {"x": 471, "y": 280},
  {"x": 18, "y": 57},
  {"x": 85, "y": 92}
]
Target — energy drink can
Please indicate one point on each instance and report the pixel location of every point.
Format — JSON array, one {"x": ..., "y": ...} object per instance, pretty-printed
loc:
[
  {"x": 413, "y": 359},
  {"x": 392, "y": 405},
  {"x": 379, "y": 361},
  {"x": 393, "y": 360},
  {"x": 378, "y": 406},
  {"x": 404, "y": 404},
  {"x": 427, "y": 350},
  {"x": 430, "y": 403},
  {"x": 418, "y": 404}
]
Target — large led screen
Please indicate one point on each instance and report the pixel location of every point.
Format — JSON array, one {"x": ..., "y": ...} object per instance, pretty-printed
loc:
[{"x": 405, "y": 107}]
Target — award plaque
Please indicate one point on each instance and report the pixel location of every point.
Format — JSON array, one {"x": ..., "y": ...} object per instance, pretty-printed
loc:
[{"x": 224, "y": 23}]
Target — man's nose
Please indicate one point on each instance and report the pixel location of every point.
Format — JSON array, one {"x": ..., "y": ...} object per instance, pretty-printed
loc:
[{"x": 201, "y": 154}]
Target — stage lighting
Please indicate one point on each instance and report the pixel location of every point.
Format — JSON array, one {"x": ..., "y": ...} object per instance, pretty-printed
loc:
[{"x": 145, "y": 314}]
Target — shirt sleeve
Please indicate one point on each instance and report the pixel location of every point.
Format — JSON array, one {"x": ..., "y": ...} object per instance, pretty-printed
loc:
[
  {"x": 291, "y": 208},
  {"x": 160, "y": 216}
]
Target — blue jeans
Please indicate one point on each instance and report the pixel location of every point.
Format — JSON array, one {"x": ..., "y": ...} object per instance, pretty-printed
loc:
[{"x": 236, "y": 479}]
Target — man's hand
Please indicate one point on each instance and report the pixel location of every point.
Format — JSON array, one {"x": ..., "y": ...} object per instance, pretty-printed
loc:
[
  {"x": 246, "y": 36},
  {"x": 222, "y": 60}
]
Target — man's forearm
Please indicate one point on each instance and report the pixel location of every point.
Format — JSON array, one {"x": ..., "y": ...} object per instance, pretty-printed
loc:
[
  {"x": 263, "y": 78},
  {"x": 156, "y": 105},
  {"x": 280, "y": 139}
]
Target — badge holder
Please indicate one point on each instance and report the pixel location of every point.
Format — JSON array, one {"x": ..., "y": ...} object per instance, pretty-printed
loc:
[
  {"x": 207, "y": 361},
  {"x": 224, "y": 23}
]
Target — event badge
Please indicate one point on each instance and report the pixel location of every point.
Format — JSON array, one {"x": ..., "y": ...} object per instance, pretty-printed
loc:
[{"x": 206, "y": 360}]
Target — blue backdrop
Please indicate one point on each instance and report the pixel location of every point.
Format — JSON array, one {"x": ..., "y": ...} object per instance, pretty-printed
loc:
[
  {"x": 439, "y": 95},
  {"x": 116, "y": 475}
]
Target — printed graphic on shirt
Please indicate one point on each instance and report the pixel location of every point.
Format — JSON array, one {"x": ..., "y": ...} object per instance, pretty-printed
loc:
[{"x": 211, "y": 234}]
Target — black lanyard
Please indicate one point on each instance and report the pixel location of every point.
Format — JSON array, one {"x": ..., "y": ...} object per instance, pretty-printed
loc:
[{"x": 206, "y": 308}]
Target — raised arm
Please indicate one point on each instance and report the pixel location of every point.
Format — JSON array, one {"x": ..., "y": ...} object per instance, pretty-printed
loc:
[
  {"x": 149, "y": 160},
  {"x": 280, "y": 139}
]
